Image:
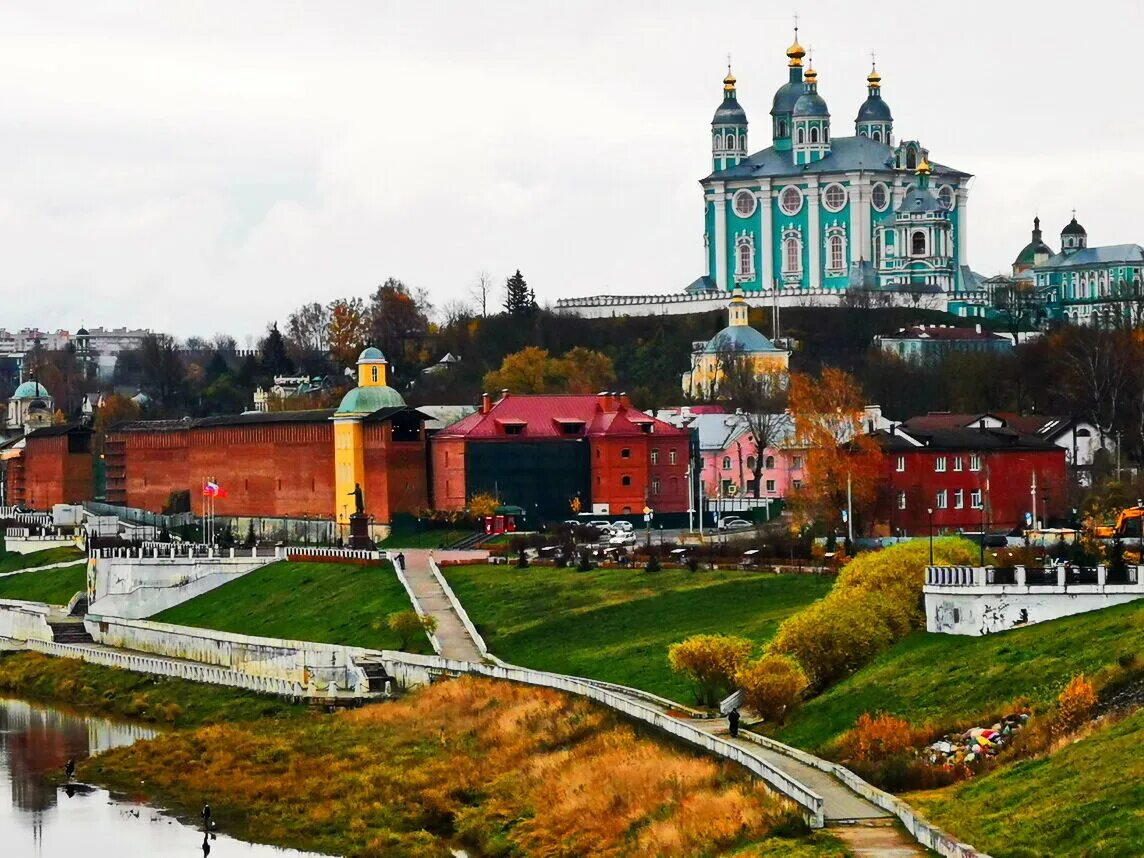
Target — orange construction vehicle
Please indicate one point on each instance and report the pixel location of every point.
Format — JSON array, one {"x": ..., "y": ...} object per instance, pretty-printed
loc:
[{"x": 1128, "y": 524}]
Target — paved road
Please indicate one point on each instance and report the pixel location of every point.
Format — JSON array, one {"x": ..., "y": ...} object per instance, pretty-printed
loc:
[{"x": 451, "y": 633}]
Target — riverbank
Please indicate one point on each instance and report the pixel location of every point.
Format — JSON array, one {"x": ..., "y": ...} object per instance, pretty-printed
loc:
[{"x": 499, "y": 768}]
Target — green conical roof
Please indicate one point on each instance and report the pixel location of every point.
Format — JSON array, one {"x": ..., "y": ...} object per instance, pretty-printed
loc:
[{"x": 366, "y": 400}]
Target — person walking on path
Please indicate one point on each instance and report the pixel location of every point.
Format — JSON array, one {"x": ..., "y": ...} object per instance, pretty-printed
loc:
[
  {"x": 733, "y": 723},
  {"x": 400, "y": 558}
]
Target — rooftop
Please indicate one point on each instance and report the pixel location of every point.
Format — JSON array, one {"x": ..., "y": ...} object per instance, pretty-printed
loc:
[{"x": 559, "y": 416}]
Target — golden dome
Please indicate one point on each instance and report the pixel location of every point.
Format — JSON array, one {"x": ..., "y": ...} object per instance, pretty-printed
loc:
[
  {"x": 796, "y": 52},
  {"x": 811, "y": 75},
  {"x": 924, "y": 167},
  {"x": 874, "y": 79},
  {"x": 729, "y": 81}
]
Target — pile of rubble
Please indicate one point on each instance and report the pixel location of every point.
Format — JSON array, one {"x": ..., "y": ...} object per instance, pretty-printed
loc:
[{"x": 956, "y": 749}]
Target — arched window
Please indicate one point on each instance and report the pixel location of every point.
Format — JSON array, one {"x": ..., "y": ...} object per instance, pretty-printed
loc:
[
  {"x": 862, "y": 133},
  {"x": 837, "y": 255},
  {"x": 911, "y": 158},
  {"x": 814, "y": 135},
  {"x": 877, "y": 246},
  {"x": 799, "y": 136},
  {"x": 751, "y": 463},
  {"x": 825, "y": 134},
  {"x": 769, "y": 462},
  {"x": 730, "y": 141},
  {"x": 782, "y": 128},
  {"x": 726, "y": 463},
  {"x": 791, "y": 255},
  {"x": 877, "y": 135},
  {"x": 918, "y": 244},
  {"x": 745, "y": 258},
  {"x": 373, "y": 374},
  {"x": 625, "y": 480}
]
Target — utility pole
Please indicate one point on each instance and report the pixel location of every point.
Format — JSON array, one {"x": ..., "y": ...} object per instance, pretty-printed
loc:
[
  {"x": 1033, "y": 494},
  {"x": 849, "y": 511}
]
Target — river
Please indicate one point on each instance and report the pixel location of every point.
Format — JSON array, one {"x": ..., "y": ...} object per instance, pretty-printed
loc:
[{"x": 41, "y": 820}]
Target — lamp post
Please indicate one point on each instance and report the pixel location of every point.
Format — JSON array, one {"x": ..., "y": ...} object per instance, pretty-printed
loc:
[
  {"x": 982, "y": 528},
  {"x": 930, "y": 511}
]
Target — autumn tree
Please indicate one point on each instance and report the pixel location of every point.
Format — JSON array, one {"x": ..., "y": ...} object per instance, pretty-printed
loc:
[
  {"x": 534, "y": 370},
  {"x": 772, "y": 686},
  {"x": 409, "y": 625},
  {"x": 114, "y": 409},
  {"x": 586, "y": 371},
  {"x": 841, "y": 458},
  {"x": 399, "y": 324},
  {"x": 307, "y": 334},
  {"x": 519, "y": 299},
  {"x": 349, "y": 330},
  {"x": 711, "y": 662}
]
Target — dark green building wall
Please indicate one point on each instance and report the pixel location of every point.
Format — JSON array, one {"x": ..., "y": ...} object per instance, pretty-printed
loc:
[{"x": 540, "y": 476}]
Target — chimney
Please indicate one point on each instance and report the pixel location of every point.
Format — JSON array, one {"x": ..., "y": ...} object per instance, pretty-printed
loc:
[
  {"x": 625, "y": 400},
  {"x": 503, "y": 394},
  {"x": 486, "y": 403}
]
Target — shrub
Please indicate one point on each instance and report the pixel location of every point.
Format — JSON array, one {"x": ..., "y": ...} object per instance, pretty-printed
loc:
[
  {"x": 585, "y": 564},
  {"x": 407, "y": 624},
  {"x": 711, "y": 661},
  {"x": 521, "y": 558},
  {"x": 693, "y": 563},
  {"x": 772, "y": 686},
  {"x": 874, "y": 738},
  {"x": 652, "y": 564},
  {"x": 1074, "y": 705}
]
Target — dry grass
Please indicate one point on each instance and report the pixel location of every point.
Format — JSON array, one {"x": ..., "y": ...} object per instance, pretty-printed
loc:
[{"x": 504, "y": 769}]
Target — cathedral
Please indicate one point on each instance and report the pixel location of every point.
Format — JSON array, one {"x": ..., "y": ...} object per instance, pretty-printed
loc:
[{"x": 818, "y": 213}]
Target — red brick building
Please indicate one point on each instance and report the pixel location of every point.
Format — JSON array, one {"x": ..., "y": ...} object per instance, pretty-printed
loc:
[
  {"x": 277, "y": 464},
  {"x": 48, "y": 466},
  {"x": 969, "y": 477},
  {"x": 542, "y": 452}
]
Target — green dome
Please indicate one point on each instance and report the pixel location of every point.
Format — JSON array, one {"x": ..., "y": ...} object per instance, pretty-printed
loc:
[
  {"x": 366, "y": 400},
  {"x": 30, "y": 390},
  {"x": 371, "y": 354}
]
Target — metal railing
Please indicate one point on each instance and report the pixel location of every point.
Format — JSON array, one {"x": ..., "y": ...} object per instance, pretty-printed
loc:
[
  {"x": 1040, "y": 576},
  {"x": 1001, "y": 575}
]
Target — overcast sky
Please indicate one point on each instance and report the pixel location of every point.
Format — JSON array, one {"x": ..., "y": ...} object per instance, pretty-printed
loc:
[{"x": 197, "y": 167}]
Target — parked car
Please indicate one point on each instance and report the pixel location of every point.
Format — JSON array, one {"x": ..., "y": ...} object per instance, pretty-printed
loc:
[
  {"x": 622, "y": 538},
  {"x": 624, "y": 526},
  {"x": 734, "y": 524},
  {"x": 602, "y": 526}
]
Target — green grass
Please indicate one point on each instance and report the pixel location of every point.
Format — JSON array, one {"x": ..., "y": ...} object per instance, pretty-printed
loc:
[
  {"x": 110, "y": 691},
  {"x": 54, "y": 586},
  {"x": 616, "y": 624},
  {"x": 324, "y": 602},
  {"x": 1084, "y": 800},
  {"x": 950, "y": 680},
  {"x": 14, "y": 562},
  {"x": 425, "y": 539}
]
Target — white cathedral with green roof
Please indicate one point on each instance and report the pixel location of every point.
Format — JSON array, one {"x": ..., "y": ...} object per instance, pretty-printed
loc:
[{"x": 815, "y": 213}]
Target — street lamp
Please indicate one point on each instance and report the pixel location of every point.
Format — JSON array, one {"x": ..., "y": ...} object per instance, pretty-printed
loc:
[{"x": 930, "y": 511}]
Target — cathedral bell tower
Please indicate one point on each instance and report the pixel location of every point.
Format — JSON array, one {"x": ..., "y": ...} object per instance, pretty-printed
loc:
[
  {"x": 787, "y": 95},
  {"x": 811, "y": 122},
  {"x": 728, "y": 128}
]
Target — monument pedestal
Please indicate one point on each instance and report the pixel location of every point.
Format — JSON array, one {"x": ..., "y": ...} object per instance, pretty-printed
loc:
[{"x": 359, "y": 532}]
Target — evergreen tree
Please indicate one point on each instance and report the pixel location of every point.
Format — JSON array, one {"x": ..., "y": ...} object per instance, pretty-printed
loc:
[
  {"x": 272, "y": 351},
  {"x": 519, "y": 300}
]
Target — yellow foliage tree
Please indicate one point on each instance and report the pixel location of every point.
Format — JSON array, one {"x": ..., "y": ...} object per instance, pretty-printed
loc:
[
  {"x": 772, "y": 686},
  {"x": 711, "y": 661},
  {"x": 534, "y": 370},
  {"x": 1074, "y": 705},
  {"x": 482, "y": 504}
]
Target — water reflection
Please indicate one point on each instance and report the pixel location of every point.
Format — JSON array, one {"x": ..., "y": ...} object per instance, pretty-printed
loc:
[{"x": 39, "y": 820}]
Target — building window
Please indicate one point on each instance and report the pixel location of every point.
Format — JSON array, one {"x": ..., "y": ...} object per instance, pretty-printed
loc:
[
  {"x": 911, "y": 158},
  {"x": 655, "y": 456},
  {"x": 901, "y": 466},
  {"x": 796, "y": 462},
  {"x": 799, "y": 135},
  {"x": 625, "y": 453},
  {"x": 726, "y": 463},
  {"x": 974, "y": 462},
  {"x": 655, "y": 487},
  {"x": 943, "y": 499},
  {"x": 975, "y": 498},
  {"x": 671, "y": 457},
  {"x": 879, "y": 198},
  {"x": 790, "y": 200},
  {"x": 744, "y": 203},
  {"x": 959, "y": 499},
  {"x": 877, "y": 135},
  {"x": 792, "y": 256},
  {"x": 901, "y": 500},
  {"x": 918, "y": 243},
  {"x": 745, "y": 254},
  {"x": 796, "y": 484},
  {"x": 729, "y": 142},
  {"x": 837, "y": 255},
  {"x": 770, "y": 486},
  {"x": 625, "y": 480},
  {"x": 751, "y": 464},
  {"x": 782, "y": 128},
  {"x": 769, "y": 463},
  {"x": 958, "y": 463},
  {"x": 939, "y": 464},
  {"x": 373, "y": 373},
  {"x": 946, "y": 196},
  {"x": 834, "y": 198},
  {"x": 514, "y": 429}
]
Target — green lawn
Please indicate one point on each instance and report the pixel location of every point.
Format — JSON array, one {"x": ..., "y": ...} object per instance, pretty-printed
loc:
[
  {"x": 425, "y": 539},
  {"x": 325, "y": 602},
  {"x": 616, "y": 624},
  {"x": 1086, "y": 800},
  {"x": 13, "y": 562},
  {"x": 54, "y": 586},
  {"x": 950, "y": 680}
]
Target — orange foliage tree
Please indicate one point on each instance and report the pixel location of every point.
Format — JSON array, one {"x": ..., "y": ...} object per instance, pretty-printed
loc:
[
  {"x": 534, "y": 370},
  {"x": 348, "y": 329},
  {"x": 827, "y": 413},
  {"x": 711, "y": 661}
]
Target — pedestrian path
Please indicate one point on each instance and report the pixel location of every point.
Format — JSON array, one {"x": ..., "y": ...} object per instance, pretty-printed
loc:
[
  {"x": 455, "y": 641},
  {"x": 78, "y": 561}
]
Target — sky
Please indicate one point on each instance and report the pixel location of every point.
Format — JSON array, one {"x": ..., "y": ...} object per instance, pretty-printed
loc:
[{"x": 202, "y": 167}]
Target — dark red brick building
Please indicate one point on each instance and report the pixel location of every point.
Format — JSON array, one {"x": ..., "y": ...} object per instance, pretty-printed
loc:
[
  {"x": 541, "y": 452},
  {"x": 969, "y": 477},
  {"x": 48, "y": 466}
]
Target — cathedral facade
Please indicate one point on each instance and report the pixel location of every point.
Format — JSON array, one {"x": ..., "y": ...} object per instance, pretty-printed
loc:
[{"x": 818, "y": 213}]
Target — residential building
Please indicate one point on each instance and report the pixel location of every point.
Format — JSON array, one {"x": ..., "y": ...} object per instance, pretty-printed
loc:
[
  {"x": 556, "y": 455},
  {"x": 959, "y": 478},
  {"x": 931, "y": 343},
  {"x": 736, "y": 342}
]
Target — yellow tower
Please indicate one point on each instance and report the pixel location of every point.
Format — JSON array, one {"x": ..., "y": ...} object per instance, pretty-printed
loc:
[{"x": 372, "y": 394}]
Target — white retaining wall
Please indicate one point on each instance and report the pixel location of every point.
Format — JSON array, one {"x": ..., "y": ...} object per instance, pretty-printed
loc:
[
  {"x": 681, "y": 303},
  {"x": 24, "y": 621},
  {"x": 28, "y": 545}
]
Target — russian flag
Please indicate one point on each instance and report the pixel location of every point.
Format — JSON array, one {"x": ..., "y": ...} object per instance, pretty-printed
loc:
[{"x": 211, "y": 489}]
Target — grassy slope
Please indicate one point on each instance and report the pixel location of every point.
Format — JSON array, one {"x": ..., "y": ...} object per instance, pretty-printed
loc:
[
  {"x": 14, "y": 562},
  {"x": 1086, "y": 799},
  {"x": 109, "y": 691},
  {"x": 426, "y": 539},
  {"x": 617, "y": 624},
  {"x": 325, "y": 602},
  {"x": 952, "y": 679},
  {"x": 54, "y": 586}
]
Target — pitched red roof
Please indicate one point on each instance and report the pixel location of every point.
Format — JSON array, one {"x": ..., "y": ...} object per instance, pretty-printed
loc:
[{"x": 545, "y": 416}]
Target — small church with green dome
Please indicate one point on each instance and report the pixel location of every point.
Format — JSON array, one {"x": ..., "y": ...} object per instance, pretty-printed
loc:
[{"x": 818, "y": 213}]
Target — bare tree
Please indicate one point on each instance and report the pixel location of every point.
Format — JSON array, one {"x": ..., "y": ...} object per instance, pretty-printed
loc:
[
  {"x": 480, "y": 291},
  {"x": 307, "y": 329},
  {"x": 455, "y": 310},
  {"x": 1096, "y": 373},
  {"x": 759, "y": 395}
]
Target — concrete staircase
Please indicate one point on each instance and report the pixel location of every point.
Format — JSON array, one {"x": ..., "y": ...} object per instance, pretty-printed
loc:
[
  {"x": 375, "y": 673},
  {"x": 70, "y": 631},
  {"x": 79, "y": 609}
]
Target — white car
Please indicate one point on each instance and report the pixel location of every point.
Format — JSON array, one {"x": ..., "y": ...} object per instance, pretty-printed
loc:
[
  {"x": 734, "y": 524},
  {"x": 602, "y": 526},
  {"x": 623, "y": 538},
  {"x": 622, "y": 526}
]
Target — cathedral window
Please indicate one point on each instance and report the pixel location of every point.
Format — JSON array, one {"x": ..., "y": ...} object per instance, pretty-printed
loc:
[
  {"x": 792, "y": 255},
  {"x": 825, "y": 134},
  {"x": 730, "y": 141},
  {"x": 877, "y": 135},
  {"x": 813, "y": 135},
  {"x": 911, "y": 159},
  {"x": 862, "y": 132},
  {"x": 799, "y": 135},
  {"x": 790, "y": 200},
  {"x": 836, "y": 258},
  {"x": 918, "y": 244},
  {"x": 745, "y": 258},
  {"x": 879, "y": 198},
  {"x": 834, "y": 198},
  {"x": 946, "y": 196},
  {"x": 782, "y": 128},
  {"x": 744, "y": 203}
]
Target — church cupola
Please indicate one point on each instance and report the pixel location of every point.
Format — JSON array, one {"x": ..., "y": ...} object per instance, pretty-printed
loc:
[
  {"x": 728, "y": 128},
  {"x": 1073, "y": 236},
  {"x": 786, "y": 96},
  {"x": 874, "y": 118},
  {"x": 811, "y": 123},
  {"x": 1035, "y": 253}
]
